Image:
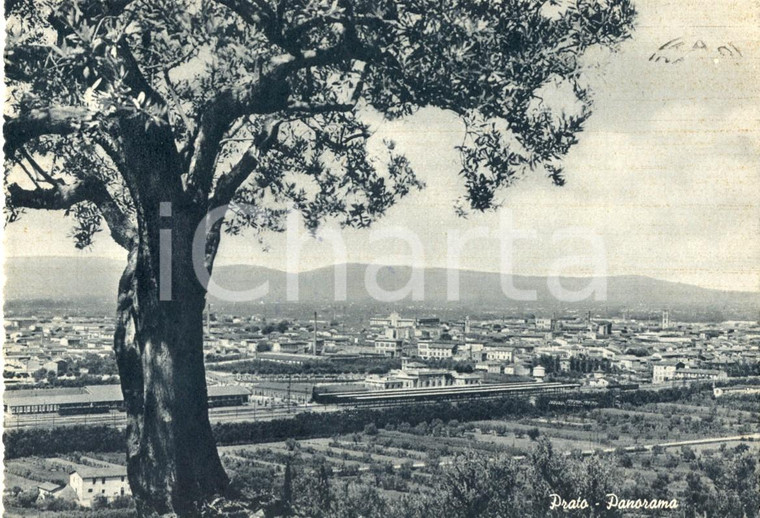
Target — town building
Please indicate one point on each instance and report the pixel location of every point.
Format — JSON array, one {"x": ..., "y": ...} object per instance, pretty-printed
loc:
[
  {"x": 105, "y": 482},
  {"x": 436, "y": 350},
  {"x": 498, "y": 354},
  {"x": 391, "y": 342},
  {"x": 666, "y": 371},
  {"x": 393, "y": 348},
  {"x": 58, "y": 366},
  {"x": 491, "y": 367},
  {"x": 48, "y": 490},
  {"x": 602, "y": 328},
  {"x": 412, "y": 375},
  {"x": 663, "y": 372},
  {"x": 544, "y": 323},
  {"x": 699, "y": 374},
  {"x": 394, "y": 320},
  {"x": 376, "y": 382},
  {"x": 98, "y": 398}
]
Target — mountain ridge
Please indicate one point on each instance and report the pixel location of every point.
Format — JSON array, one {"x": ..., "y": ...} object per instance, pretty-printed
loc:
[{"x": 73, "y": 278}]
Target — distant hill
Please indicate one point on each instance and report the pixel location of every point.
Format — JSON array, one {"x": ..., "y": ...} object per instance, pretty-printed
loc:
[
  {"x": 66, "y": 278},
  {"x": 61, "y": 278}
]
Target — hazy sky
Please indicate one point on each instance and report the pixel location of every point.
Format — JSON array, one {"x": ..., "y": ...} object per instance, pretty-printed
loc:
[{"x": 667, "y": 173}]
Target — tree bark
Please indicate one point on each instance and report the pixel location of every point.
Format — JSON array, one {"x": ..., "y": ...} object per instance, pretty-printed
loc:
[{"x": 172, "y": 461}]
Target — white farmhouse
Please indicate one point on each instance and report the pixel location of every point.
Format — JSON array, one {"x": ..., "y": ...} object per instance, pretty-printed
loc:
[{"x": 107, "y": 482}]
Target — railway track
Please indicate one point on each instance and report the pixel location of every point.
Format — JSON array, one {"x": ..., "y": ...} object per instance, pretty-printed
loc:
[{"x": 324, "y": 403}]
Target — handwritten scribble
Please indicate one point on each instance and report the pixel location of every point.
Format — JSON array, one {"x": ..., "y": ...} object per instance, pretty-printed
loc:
[{"x": 679, "y": 49}]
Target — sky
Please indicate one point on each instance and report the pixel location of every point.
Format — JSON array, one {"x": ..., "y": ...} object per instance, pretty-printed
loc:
[{"x": 663, "y": 182}]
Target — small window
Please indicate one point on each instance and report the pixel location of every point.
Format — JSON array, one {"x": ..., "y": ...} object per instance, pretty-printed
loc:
[
  {"x": 104, "y": 491},
  {"x": 93, "y": 481},
  {"x": 122, "y": 479},
  {"x": 89, "y": 490},
  {"x": 104, "y": 480}
]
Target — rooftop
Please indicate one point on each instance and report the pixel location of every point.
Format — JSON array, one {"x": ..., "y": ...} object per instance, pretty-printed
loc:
[
  {"x": 92, "y": 394},
  {"x": 112, "y": 471},
  {"x": 48, "y": 486}
]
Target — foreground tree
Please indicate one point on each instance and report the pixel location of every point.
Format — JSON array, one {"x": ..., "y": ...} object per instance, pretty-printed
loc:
[{"x": 149, "y": 114}]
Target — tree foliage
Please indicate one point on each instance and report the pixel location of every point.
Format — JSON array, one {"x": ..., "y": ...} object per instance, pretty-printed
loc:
[
  {"x": 258, "y": 108},
  {"x": 473, "y": 484},
  {"x": 266, "y": 103}
]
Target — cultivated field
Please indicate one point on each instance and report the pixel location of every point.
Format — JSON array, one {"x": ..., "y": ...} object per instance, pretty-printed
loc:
[{"x": 669, "y": 450}]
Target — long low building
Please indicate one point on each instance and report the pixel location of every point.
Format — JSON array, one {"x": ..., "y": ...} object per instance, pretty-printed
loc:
[
  {"x": 450, "y": 393},
  {"x": 98, "y": 398}
]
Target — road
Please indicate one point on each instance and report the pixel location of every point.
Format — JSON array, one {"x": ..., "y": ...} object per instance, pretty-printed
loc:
[{"x": 689, "y": 442}]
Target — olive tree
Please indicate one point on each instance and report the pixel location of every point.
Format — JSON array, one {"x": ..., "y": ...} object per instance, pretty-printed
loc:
[{"x": 147, "y": 115}]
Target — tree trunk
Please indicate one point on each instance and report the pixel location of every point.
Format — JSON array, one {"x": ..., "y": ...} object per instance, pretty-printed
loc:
[{"x": 172, "y": 461}]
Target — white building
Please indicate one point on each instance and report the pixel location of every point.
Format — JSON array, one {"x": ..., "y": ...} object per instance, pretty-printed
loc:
[
  {"x": 461, "y": 379},
  {"x": 672, "y": 371},
  {"x": 436, "y": 350},
  {"x": 106, "y": 482},
  {"x": 499, "y": 354},
  {"x": 391, "y": 343},
  {"x": 700, "y": 374},
  {"x": 662, "y": 372},
  {"x": 376, "y": 382},
  {"x": 394, "y": 320},
  {"x": 492, "y": 367},
  {"x": 391, "y": 347},
  {"x": 544, "y": 323},
  {"x": 415, "y": 376}
]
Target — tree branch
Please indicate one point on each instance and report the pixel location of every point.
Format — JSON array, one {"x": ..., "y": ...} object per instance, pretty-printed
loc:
[
  {"x": 314, "y": 109},
  {"x": 61, "y": 196},
  {"x": 265, "y": 96},
  {"x": 111, "y": 147},
  {"x": 123, "y": 231},
  {"x": 54, "y": 120},
  {"x": 39, "y": 170},
  {"x": 229, "y": 183},
  {"x": 178, "y": 102},
  {"x": 89, "y": 9},
  {"x": 260, "y": 15},
  {"x": 349, "y": 48},
  {"x": 135, "y": 77},
  {"x": 295, "y": 33},
  {"x": 254, "y": 12},
  {"x": 21, "y": 60},
  {"x": 28, "y": 174},
  {"x": 311, "y": 58}
]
